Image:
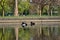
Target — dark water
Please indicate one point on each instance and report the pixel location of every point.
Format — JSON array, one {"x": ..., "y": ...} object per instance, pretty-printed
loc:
[{"x": 42, "y": 33}]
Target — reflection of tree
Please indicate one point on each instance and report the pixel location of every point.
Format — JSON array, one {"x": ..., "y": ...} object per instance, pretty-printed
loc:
[{"x": 9, "y": 34}]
